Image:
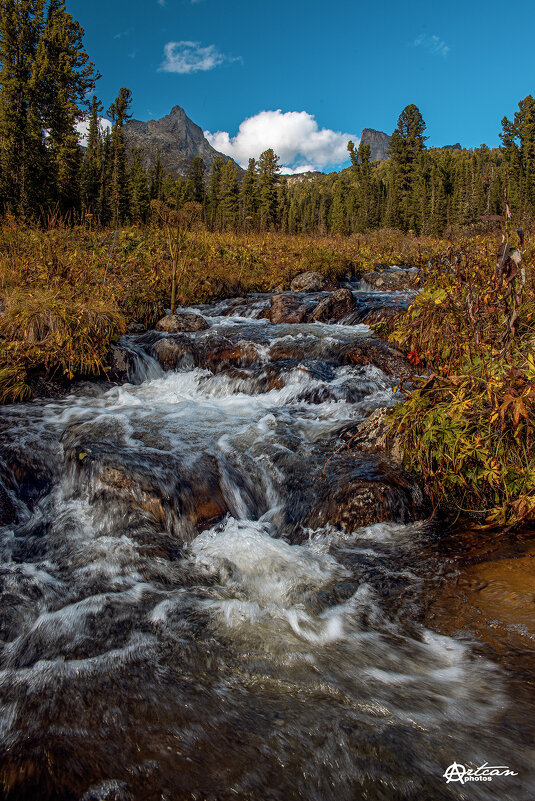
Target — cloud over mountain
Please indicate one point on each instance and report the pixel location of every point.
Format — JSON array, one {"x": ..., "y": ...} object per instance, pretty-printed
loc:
[{"x": 294, "y": 136}]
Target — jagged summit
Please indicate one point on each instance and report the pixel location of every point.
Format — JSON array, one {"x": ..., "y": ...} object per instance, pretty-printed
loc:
[
  {"x": 177, "y": 138},
  {"x": 378, "y": 141}
]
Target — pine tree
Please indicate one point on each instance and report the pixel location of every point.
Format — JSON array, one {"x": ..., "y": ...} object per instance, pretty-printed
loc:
[
  {"x": 92, "y": 162},
  {"x": 196, "y": 190},
  {"x": 407, "y": 142},
  {"x": 213, "y": 213},
  {"x": 139, "y": 190},
  {"x": 249, "y": 196},
  {"x": 22, "y": 149},
  {"x": 62, "y": 77},
  {"x": 268, "y": 176},
  {"x": 118, "y": 199},
  {"x": 229, "y": 195},
  {"x": 156, "y": 179},
  {"x": 518, "y": 138}
]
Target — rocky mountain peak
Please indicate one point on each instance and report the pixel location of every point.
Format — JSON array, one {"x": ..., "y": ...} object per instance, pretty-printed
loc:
[
  {"x": 378, "y": 141},
  {"x": 176, "y": 137}
]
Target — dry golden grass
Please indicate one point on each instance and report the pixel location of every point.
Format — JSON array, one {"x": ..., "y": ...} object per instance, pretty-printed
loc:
[{"x": 68, "y": 293}]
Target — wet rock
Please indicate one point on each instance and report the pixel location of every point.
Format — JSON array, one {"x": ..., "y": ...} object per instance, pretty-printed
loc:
[
  {"x": 368, "y": 314},
  {"x": 219, "y": 353},
  {"x": 182, "y": 322},
  {"x": 119, "y": 363},
  {"x": 378, "y": 353},
  {"x": 308, "y": 282},
  {"x": 374, "y": 436},
  {"x": 173, "y": 353},
  {"x": 337, "y": 305},
  {"x": 162, "y": 492},
  {"x": 392, "y": 279},
  {"x": 28, "y": 475},
  {"x": 135, "y": 328},
  {"x": 233, "y": 304},
  {"x": 366, "y": 492},
  {"x": 287, "y": 309}
]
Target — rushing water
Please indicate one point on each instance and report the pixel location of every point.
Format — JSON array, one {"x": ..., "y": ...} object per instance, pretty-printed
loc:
[{"x": 172, "y": 625}]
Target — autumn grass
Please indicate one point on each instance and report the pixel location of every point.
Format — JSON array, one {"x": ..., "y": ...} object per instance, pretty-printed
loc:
[
  {"x": 467, "y": 428},
  {"x": 68, "y": 293}
]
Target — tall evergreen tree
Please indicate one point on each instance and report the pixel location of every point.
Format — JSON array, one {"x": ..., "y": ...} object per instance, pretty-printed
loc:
[
  {"x": 196, "y": 189},
  {"x": 118, "y": 196},
  {"x": 62, "y": 77},
  {"x": 229, "y": 195},
  {"x": 249, "y": 195},
  {"x": 407, "y": 142},
  {"x": 22, "y": 150},
  {"x": 156, "y": 179},
  {"x": 518, "y": 138},
  {"x": 92, "y": 162},
  {"x": 268, "y": 177},
  {"x": 139, "y": 190}
]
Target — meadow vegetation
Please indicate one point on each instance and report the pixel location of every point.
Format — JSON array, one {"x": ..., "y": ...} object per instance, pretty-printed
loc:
[
  {"x": 467, "y": 425},
  {"x": 68, "y": 293}
]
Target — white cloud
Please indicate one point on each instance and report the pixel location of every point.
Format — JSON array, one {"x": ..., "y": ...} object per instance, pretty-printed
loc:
[
  {"x": 294, "y": 136},
  {"x": 434, "y": 44},
  {"x": 187, "y": 57},
  {"x": 83, "y": 128},
  {"x": 297, "y": 170}
]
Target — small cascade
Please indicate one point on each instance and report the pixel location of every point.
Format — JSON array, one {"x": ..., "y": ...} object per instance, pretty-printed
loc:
[{"x": 192, "y": 604}]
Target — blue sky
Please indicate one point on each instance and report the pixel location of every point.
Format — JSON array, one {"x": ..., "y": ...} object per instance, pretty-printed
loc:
[{"x": 339, "y": 66}]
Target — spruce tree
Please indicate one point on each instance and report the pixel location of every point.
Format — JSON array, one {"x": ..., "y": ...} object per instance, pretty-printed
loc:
[
  {"x": 268, "y": 176},
  {"x": 156, "y": 179},
  {"x": 62, "y": 77},
  {"x": 407, "y": 142},
  {"x": 196, "y": 190},
  {"x": 228, "y": 206},
  {"x": 22, "y": 149},
  {"x": 118, "y": 196},
  {"x": 92, "y": 162},
  {"x": 249, "y": 196}
]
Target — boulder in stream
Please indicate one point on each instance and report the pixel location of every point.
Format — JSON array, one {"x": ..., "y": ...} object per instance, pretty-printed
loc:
[
  {"x": 119, "y": 363},
  {"x": 287, "y": 308},
  {"x": 308, "y": 282},
  {"x": 365, "y": 490},
  {"x": 378, "y": 353},
  {"x": 173, "y": 352},
  {"x": 182, "y": 322},
  {"x": 337, "y": 305}
]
